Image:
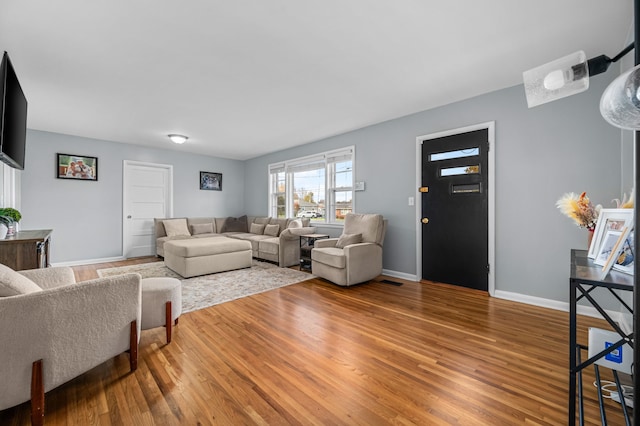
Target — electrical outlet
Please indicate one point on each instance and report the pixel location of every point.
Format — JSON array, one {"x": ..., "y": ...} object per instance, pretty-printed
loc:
[{"x": 412, "y": 201}]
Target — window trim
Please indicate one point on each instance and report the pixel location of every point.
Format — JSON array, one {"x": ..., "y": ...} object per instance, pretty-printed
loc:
[{"x": 289, "y": 167}]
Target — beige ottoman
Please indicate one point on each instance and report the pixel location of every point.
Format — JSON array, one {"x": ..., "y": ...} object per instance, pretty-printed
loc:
[
  {"x": 201, "y": 256},
  {"x": 161, "y": 303}
]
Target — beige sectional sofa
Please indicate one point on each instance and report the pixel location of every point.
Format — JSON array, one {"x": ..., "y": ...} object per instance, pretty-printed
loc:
[{"x": 273, "y": 239}]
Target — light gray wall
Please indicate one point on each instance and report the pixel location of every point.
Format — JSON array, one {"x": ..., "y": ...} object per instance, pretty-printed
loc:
[
  {"x": 541, "y": 153},
  {"x": 86, "y": 217}
]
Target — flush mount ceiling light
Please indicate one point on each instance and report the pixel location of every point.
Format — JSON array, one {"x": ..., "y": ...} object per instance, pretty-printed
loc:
[
  {"x": 565, "y": 76},
  {"x": 179, "y": 139}
]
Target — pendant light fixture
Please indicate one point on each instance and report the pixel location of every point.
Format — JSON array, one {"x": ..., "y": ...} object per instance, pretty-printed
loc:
[
  {"x": 620, "y": 102},
  {"x": 565, "y": 76}
]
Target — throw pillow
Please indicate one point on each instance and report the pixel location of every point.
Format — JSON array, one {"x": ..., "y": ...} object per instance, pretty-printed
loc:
[
  {"x": 348, "y": 239},
  {"x": 296, "y": 223},
  {"x": 235, "y": 224},
  {"x": 175, "y": 227},
  {"x": 13, "y": 283},
  {"x": 256, "y": 228},
  {"x": 201, "y": 228},
  {"x": 272, "y": 230}
]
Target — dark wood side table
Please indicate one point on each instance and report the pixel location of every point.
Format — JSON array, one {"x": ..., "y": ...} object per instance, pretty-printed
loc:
[
  {"x": 306, "y": 245},
  {"x": 26, "y": 250}
]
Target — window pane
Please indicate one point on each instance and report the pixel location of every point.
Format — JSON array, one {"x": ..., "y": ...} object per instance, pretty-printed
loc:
[
  {"x": 462, "y": 170},
  {"x": 461, "y": 153},
  {"x": 307, "y": 187},
  {"x": 344, "y": 175},
  {"x": 343, "y": 204}
]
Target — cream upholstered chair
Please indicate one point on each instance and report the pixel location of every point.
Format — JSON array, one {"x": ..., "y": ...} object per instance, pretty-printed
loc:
[
  {"x": 54, "y": 329},
  {"x": 356, "y": 256}
]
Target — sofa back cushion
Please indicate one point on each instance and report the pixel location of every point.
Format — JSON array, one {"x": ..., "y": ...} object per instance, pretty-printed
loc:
[
  {"x": 176, "y": 227},
  {"x": 235, "y": 224},
  {"x": 13, "y": 283}
]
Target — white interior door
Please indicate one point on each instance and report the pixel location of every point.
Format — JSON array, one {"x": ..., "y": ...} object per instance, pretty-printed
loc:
[{"x": 147, "y": 194}]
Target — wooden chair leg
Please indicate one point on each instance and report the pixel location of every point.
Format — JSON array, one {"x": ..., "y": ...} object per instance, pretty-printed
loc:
[
  {"x": 133, "y": 346},
  {"x": 168, "y": 322},
  {"x": 37, "y": 394}
]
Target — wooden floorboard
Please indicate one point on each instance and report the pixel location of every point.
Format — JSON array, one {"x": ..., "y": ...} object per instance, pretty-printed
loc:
[{"x": 314, "y": 354}]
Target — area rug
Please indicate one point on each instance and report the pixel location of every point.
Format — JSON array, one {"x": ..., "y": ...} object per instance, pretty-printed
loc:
[{"x": 208, "y": 290}]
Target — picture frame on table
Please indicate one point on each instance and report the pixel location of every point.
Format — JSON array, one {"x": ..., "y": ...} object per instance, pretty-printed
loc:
[
  {"x": 78, "y": 167},
  {"x": 626, "y": 258},
  {"x": 608, "y": 220},
  {"x": 612, "y": 246},
  {"x": 211, "y": 181}
]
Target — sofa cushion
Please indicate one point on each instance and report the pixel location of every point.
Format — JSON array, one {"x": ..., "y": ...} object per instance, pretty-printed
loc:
[
  {"x": 13, "y": 283},
  {"x": 175, "y": 227},
  {"x": 261, "y": 220},
  {"x": 270, "y": 245},
  {"x": 272, "y": 230},
  {"x": 235, "y": 224},
  {"x": 201, "y": 228},
  {"x": 348, "y": 239},
  {"x": 257, "y": 228},
  {"x": 330, "y": 256}
]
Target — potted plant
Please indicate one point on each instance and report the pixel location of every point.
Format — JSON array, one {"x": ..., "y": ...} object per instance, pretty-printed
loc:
[{"x": 8, "y": 219}]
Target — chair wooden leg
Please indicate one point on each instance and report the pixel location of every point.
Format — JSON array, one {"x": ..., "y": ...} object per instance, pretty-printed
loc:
[
  {"x": 133, "y": 346},
  {"x": 168, "y": 322},
  {"x": 37, "y": 394}
]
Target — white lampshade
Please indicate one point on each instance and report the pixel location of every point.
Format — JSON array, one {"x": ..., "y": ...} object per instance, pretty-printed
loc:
[
  {"x": 557, "y": 79},
  {"x": 620, "y": 102},
  {"x": 179, "y": 139}
]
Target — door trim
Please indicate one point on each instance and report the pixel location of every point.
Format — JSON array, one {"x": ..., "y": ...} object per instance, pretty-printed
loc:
[
  {"x": 490, "y": 126},
  {"x": 125, "y": 167}
]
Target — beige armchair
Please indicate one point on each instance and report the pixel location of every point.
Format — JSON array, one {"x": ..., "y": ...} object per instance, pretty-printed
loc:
[
  {"x": 54, "y": 329},
  {"x": 356, "y": 256}
]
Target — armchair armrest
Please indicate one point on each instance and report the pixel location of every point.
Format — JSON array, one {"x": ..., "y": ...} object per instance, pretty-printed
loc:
[
  {"x": 327, "y": 242},
  {"x": 50, "y": 277},
  {"x": 363, "y": 250}
]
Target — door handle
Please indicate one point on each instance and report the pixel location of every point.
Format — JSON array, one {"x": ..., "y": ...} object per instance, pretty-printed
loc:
[{"x": 425, "y": 220}]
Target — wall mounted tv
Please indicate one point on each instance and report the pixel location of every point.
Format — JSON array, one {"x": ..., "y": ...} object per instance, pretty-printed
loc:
[{"x": 13, "y": 116}]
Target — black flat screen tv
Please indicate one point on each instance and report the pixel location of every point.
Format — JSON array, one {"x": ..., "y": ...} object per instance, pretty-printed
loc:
[{"x": 13, "y": 116}]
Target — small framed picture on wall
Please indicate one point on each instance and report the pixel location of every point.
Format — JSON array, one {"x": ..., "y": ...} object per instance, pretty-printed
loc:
[
  {"x": 78, "y": 167},
  {"x": 211, "y": 181}
]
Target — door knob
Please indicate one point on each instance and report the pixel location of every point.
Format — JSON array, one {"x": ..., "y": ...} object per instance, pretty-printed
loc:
[{"x": 425, "y": 220}]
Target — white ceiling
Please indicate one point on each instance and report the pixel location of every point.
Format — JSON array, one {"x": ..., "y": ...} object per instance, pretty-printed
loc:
[{"x": 243, "y": 78}]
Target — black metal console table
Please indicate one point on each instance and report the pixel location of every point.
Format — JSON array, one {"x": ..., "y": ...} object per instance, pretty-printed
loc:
[{"x": 584, "y": 279}]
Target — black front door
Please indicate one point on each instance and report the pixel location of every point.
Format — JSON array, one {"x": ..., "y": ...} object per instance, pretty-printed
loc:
[{"x": 455, "y": 236}]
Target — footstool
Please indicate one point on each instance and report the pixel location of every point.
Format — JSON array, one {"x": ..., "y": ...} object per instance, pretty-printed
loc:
[
  {"x": 161, "y": 303},
  {"x": 202, "y": 256}
]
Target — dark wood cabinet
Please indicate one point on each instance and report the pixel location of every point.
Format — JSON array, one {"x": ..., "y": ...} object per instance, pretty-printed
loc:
[{"x": 26, "y": 250}]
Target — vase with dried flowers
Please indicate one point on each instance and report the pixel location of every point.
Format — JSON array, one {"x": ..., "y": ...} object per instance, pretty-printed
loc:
[{"x": 581, "y": 210}]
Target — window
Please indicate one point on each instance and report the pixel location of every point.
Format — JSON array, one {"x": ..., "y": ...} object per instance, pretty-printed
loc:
[{"x": 319, "y": 187}]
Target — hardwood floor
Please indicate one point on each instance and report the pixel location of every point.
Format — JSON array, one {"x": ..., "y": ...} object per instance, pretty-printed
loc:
[{"x": 315, "y": 353}]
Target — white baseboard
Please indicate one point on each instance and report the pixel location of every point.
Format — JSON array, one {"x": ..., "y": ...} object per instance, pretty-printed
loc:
[
  {"x": 88, "y": 261},
  {"x": 554, "y": 304},
  {"x": 402, "y": 275}
]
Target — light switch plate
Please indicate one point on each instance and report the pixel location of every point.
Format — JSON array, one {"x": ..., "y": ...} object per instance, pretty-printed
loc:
[{"x": 359, "y": 186}]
